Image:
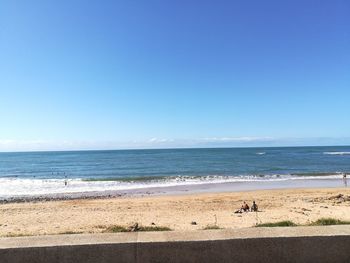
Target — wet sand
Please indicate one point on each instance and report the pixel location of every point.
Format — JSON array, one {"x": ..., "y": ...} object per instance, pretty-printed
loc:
[{"x": 302, "y": 206}]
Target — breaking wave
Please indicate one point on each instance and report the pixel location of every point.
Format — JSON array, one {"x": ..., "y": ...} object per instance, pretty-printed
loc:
[
  {"x": 337, "y": 153},
  {"x": 12, "y": 187}
]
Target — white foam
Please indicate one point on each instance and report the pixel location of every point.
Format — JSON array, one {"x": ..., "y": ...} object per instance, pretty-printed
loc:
[
  {"x": 337, "y": 153},
  {"x": 12, "y": 187}
]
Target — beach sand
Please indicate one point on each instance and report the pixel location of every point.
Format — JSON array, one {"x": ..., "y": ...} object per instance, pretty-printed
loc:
[{"x": 301, "y": 206}]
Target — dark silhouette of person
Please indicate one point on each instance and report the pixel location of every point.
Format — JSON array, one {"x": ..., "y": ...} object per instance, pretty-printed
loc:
[{"x": 254, "y": 207}]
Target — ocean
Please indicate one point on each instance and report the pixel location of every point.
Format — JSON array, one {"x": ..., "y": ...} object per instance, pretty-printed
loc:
[{"x": 42, "y": 173}]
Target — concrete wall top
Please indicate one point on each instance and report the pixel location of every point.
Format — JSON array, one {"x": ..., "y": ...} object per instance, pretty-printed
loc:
[{"x": 172, "y": 236}]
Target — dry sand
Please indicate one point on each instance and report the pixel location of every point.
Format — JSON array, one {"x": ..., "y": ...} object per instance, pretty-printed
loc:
[{"x": 302, "y": 206}]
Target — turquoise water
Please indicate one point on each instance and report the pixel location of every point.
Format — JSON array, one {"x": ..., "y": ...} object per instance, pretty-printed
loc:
[{"x": 45, "y": 172}]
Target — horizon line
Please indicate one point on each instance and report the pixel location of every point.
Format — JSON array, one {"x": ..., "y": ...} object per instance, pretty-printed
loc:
[{"x": 173, "y": 148}]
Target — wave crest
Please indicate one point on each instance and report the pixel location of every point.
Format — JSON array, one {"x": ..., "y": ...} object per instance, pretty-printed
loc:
[
  {"x": 12, "y": 187},
  {"x": 337, "y": 153}
]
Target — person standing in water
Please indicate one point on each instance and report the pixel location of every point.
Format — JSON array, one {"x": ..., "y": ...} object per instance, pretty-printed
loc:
[{"x": 345, "y": 181}]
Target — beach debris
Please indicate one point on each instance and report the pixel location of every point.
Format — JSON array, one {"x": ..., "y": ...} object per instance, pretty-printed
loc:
[
  {"x": 338, "y": 196},
  {"x": 305, "y": 209},
  {"x": 134, "y": 227},
  {"x": 335, "y": 198},
  {"x": 301, "y": 212},
  {"x": 193, "y": 223}
]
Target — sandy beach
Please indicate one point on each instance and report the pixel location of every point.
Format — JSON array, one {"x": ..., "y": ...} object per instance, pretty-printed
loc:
[{"x": 177, "y": 212}]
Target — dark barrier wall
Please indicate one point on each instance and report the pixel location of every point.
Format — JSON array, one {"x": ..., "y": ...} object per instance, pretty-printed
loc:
[{"x": 326, "y": 248}]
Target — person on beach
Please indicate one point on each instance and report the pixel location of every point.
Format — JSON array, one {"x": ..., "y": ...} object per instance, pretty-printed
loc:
[
  {"x": 254, "y": 207},
  {"x": 244, "y": 208},
  {"x": 345, "y": 181}
]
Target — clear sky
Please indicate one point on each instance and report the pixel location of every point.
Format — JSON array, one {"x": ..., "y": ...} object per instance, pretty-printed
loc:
[{"x": 126, "y": 74}]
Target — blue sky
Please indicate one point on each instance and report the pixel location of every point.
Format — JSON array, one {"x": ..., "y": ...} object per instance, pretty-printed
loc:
[{"x": 135, "y": 74}]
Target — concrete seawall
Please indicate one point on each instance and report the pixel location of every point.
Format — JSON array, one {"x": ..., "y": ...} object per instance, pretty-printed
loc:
[{"x": 293, "y": 244}]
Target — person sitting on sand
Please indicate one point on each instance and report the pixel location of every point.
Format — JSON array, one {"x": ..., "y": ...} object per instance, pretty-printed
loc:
[
  {"x": 244, "y": 208},
  {"x": 254, "y": 207}
]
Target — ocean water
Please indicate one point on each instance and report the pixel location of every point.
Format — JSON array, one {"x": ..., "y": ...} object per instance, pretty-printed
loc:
[{"x": 39, "y": 173}]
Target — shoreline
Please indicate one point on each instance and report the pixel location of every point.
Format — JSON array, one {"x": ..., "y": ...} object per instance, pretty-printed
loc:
[
  {"x": 214, "y": 187},
  {"x": 302, "y": 206}
]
